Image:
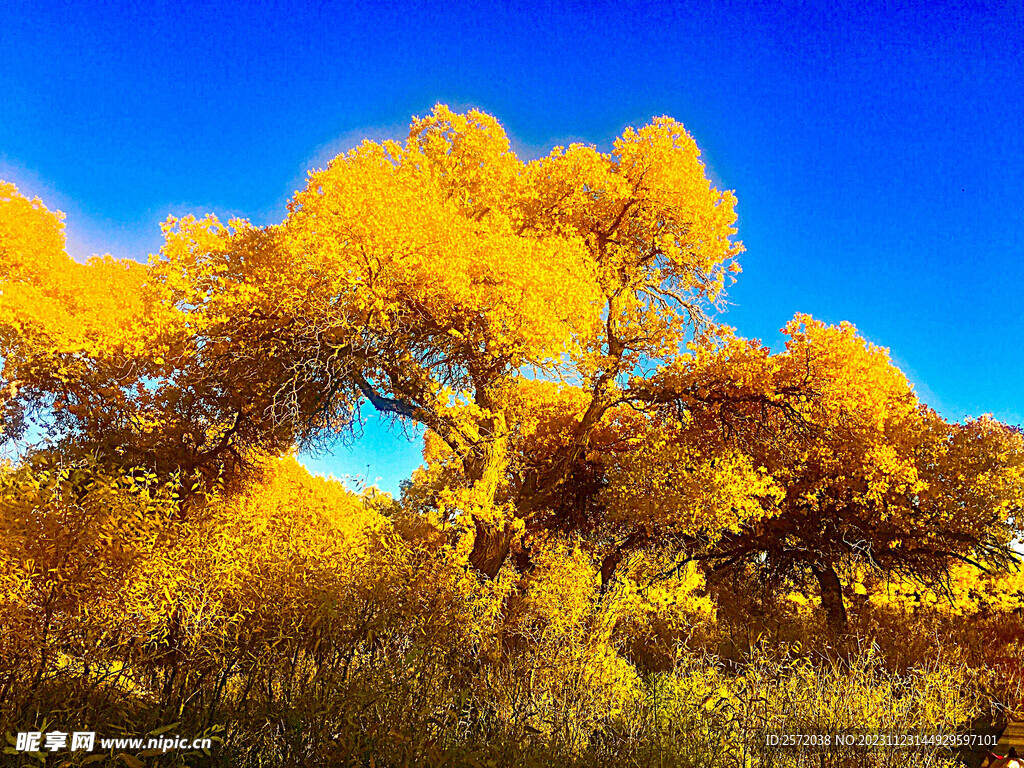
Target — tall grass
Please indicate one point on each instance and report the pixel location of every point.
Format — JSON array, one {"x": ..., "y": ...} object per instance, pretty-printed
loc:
[{"x": 301, "y": 633}]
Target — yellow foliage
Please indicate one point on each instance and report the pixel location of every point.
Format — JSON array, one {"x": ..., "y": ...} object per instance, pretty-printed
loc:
[
  {"x": 63, "y": 306},
  {"x": 598, "y": 455},
  {"x": 967, "y": 592}
]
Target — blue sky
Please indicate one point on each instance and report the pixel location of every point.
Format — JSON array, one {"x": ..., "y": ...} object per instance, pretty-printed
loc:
[{"x": 876, "y": 149}]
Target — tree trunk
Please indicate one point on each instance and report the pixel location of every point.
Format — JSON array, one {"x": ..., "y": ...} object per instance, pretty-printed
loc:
[
  {"x": 831, "y": 598},
  {"x": 485, "y": 467},
  {"x": 614, "y": 557},
  {"x": 608, "y": 565},
  {"x": 490, "y": 546}
]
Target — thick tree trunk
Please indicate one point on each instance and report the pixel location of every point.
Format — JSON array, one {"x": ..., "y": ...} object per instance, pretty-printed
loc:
[
  {"x": 614, "y": 557},
  {"x": 608, "y": 565},
  {"x": 485, "y": 468},
  {"x": 831, "y": 598},
  {"x": 490, "y": 546}
]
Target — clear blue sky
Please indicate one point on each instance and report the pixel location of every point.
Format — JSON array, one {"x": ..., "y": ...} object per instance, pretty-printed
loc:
[{"x": 876, "y": 149}]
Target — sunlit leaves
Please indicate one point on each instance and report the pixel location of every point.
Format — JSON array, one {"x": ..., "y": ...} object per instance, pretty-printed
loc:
[{"x": 853, "y": 467}]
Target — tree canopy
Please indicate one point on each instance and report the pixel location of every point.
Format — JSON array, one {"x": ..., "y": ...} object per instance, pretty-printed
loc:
[{"x": 553, "y": 326}]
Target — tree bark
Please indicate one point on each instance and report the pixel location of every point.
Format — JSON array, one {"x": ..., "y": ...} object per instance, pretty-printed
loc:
[
  {"x": 831, "y": 598},
  {"x": 485, "y": 466},
  {"x": 608, "y": 565},
  {"x": 614, "y": 557},
  {"x": 490, "y": 546}
]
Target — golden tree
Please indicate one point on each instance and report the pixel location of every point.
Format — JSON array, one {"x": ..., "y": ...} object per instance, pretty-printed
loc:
[
  {"x": 548, "y": 322},
  {"x": 431, "y": 278},
  {"x": 854, "y": 470},
  {"x": 96, "y": 361}
]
